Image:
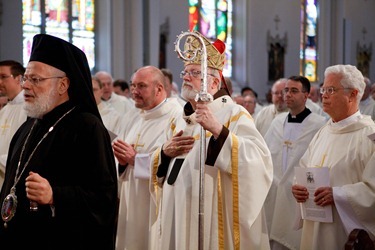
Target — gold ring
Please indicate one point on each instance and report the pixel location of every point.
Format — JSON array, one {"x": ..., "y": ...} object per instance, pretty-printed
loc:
[{"x": 177, "y": 148}]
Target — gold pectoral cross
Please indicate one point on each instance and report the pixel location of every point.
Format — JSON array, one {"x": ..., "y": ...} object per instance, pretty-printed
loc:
[
  {"x": 5, "y": 126},
  {"x": 137, "y": 144}
]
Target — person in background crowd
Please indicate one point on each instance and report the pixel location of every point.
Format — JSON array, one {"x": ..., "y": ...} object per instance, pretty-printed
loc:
[
  {"x": 112, "y": 119},
  {"x": 168, "y": 81},
  {"x": 314, "y": 94},
  {"x": 249, "y": 103},
  {"x": 249, "y": 91},
  {"x": 12, "y": 115},
  {"x": 268, "y": 113},
  {"x": 119, "y": 103},
  {"x": 121, "y": 87},
  {"x": 367, "y": 104}
]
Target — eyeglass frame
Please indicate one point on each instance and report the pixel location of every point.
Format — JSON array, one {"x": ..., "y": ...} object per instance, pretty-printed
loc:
[
  {"x": 330, "y": 90},
  {"x": 2, "y": 77},
  {"x": 292, "y": 91},
  {"x": 193, "y": 73},
  {"x": 35, "y": 81}
]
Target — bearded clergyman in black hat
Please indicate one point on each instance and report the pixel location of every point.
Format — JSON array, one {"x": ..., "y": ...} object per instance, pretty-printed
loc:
[{"x": 60, "y": 189}]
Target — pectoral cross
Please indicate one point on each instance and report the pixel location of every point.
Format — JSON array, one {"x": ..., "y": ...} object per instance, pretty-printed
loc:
[
  {"x": 137, "y": 142},
  {"x": 5, "y": 126}
]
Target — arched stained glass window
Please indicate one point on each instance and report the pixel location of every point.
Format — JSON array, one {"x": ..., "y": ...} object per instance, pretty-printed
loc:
[
  {"x": 71, "y": 20},
  {"x": 213, "y": 18},
  {"x": 309, "y": 39}
]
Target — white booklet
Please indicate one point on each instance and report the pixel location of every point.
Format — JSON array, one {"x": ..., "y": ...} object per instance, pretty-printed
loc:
[{"x": 313, "y": 178}]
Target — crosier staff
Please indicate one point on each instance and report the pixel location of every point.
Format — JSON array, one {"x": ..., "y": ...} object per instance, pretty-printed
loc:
[{"x": 189, "y": 53}]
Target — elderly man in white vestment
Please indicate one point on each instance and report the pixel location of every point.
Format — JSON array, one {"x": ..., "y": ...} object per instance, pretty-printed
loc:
[
  {"x": 13, "y": 114},
  {"x": 120, "y": 103},
  {"x": 133, "y": 148},
  {"x": 237, "y": 169},
  {"x": 112, "y": 119},
  {"x": 267, "y": 114},
  {"x": 343, "y": 146},
  {"x": 287, "y": 138}
]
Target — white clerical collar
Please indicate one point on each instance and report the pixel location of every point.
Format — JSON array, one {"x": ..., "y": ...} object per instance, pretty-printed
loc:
[
  {"x": 157, "y": 107},
  {"x": 347, "y": 121}
]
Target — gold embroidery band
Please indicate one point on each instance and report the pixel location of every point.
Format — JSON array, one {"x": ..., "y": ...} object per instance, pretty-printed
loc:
[
  {"x": 220, "y": 212},
  {"x": 236, "y": 224},
  {"x": 154, "y": 179}
]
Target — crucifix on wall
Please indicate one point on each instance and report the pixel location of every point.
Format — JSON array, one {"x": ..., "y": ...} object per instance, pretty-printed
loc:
[
  {"x": 277, "y": 20},
  {"x": 276, "y": 52}
]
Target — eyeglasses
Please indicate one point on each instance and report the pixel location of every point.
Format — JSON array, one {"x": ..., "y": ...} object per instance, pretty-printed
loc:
[
  {"x": 293, "y": 91},
  {"x": 193, "y": 73},
  {"x": 277, "y": 92},
  {"x": 2, "y": 77},
  {"x": 36, "y": 80},
  {"x": 330, "y": 90}
]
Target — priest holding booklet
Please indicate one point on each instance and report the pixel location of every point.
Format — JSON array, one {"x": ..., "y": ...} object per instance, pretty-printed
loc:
[{"x": 347, "y": 151}]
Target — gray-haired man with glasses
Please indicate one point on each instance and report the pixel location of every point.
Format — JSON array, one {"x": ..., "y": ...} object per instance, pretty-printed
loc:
[{"x": 343, "y": 146}]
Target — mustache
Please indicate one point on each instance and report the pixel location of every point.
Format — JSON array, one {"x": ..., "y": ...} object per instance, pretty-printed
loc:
[{"x": 190, "y": 85}]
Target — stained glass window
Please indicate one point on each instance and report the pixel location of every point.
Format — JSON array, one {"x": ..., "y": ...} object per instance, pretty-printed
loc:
[
  {"x": 71, "y": 20},
  {"x": 309, "y": 39},
  {"x": 213, "y": 18}
]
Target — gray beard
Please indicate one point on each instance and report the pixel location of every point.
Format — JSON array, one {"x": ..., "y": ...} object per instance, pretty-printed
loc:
[
  {"x": 188, "y": 94},
  {"x": 42, "y": 105}
]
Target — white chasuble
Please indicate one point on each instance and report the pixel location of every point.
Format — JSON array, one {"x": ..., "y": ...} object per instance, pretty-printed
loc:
[
  {"x": 113, "y": 120},
  {"x": 11, "y": 118},
  {"x": 287, "y": 143},
  {"x": 136, "y": 212},
  {"x": 234, "y": 190},
  {"x": 349, "y": 154}
]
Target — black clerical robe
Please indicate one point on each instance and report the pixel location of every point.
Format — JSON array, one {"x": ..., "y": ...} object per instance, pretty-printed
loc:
[{"x": 76, "y": 158}]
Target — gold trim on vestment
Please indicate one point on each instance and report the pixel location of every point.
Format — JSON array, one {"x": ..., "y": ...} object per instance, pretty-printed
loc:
[
  {"x": 220, "y": 213},
  {"x": 236, "y": 216},
  {"x": 237, "y": 117},
  {"x": 155, "y": 166}
]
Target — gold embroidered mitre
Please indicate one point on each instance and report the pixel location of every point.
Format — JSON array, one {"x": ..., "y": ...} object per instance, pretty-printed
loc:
[{"x": 215, "y": 51}]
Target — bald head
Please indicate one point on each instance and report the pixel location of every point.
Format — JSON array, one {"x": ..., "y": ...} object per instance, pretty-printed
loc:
[{"x": 147, "y": 86}]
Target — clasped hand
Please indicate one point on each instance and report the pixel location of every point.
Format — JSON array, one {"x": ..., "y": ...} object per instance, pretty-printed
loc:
[
  {"x": 38, "y": 189},
  {"x": 323, "y": 196},
  {"x": 178, "y": 145},
  {"x": 207, "y": 120},
  {"x": 124, "y": 152}
]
